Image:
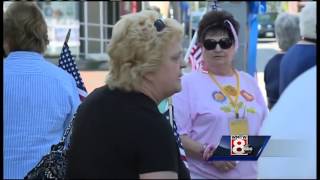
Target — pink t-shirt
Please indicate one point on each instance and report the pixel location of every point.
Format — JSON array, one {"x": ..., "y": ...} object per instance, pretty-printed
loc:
[{"x": 202, "y": 112}]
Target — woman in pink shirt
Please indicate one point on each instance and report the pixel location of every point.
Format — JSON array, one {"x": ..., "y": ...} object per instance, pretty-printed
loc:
[{"x": 218, "y": 100}]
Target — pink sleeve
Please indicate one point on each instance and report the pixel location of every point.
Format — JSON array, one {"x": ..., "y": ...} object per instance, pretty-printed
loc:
[{"x": 182, "y": 110}]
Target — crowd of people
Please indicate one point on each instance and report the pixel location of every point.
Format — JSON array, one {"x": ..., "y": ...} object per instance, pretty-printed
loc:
[
  {"x": 293, "y": 116},
  {"x": 120, "y": 130}
]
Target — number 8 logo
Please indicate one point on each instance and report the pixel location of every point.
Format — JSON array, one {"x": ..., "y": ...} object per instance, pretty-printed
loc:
[{"x": 238, "y": 145}]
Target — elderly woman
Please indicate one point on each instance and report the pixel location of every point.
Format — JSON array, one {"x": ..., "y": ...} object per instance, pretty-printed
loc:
[
  {"x": 118, "y": 130},
  {"x": 287, "y": 34},
  {"x": 301, "y": 56},
  {"x": 39, "y": 97},
  {"x": 218, "y": 101}
]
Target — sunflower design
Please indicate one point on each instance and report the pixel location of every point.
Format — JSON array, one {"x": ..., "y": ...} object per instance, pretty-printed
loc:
[
  {"x": 230, "y": 90},
  {"x": 246, "y": 95},
  {"x": 218, "y": 96},
  {"x": 251, "y": 110},
  {"x": 226, "y": 109}
]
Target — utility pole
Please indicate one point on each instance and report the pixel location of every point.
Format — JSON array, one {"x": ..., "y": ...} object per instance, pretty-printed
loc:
[{"x": 176, "y": 10}]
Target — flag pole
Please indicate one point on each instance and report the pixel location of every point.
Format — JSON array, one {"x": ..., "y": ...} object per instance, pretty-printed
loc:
[
  {"x": 67, "y": 63},
  {"x": 68, "y": 36},
  {"x": 170, "y": 106}
]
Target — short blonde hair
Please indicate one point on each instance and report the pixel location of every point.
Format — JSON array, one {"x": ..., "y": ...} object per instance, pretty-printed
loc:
[
  {"x": 137, "y": 48},
  {"x": 24, "y": 27}
]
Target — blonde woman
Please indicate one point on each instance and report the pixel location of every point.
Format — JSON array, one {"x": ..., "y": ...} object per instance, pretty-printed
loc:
[{"x": 119, "y": 131}]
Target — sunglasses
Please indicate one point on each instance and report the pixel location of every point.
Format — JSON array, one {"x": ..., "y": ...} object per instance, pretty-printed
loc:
[{"x": 224, "y": 43}]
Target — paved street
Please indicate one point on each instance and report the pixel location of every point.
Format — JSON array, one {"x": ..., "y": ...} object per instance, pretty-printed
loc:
[
  {"x": 93, "y": 79},
  {"x": 266, "y": 49}
]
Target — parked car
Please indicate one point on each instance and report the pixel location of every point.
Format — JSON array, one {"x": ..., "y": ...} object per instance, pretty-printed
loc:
[{"x": 266, "y": 25}]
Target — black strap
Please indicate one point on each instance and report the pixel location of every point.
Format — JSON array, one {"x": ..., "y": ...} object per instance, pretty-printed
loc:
[{"x": 66, "y": 132}]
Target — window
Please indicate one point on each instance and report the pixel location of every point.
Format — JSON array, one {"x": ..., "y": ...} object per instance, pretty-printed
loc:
[{"x": 96, "y": 22}]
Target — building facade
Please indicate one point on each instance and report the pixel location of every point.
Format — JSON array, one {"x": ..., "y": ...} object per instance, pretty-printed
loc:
[{"x": 91, "y": 24}]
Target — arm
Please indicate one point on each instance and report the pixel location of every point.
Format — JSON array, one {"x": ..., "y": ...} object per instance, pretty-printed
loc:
[
  {"x": 74, "y": 100},
  {"x": 183, "y": 117},
  {"x": 181, "y": 102},
  {"x": 196, "y": 149},
  {"x": 157, "y": 156},
  {"x": 193, "y": 148},
  {"x": 200, "y": 151}
]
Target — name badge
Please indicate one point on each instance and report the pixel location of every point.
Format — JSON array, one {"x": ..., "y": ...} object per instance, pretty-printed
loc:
[{"x": 239, "y": 126}]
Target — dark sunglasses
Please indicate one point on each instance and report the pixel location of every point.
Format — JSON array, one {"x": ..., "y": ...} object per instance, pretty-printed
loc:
[
  {"x": 224, "y": 43},
  {"x": 159, "y": 24}
]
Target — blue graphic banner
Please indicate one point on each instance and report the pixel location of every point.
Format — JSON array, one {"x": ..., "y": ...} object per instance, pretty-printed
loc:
[{"x": 240, "y": 148}]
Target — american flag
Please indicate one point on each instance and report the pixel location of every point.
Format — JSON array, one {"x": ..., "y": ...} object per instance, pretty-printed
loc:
[
  {"x": 195, "y": 58},
  {"x": 67, "y": 63},
  {"x": 194, "y": 53},
  {"x": 169, "y": 116}
]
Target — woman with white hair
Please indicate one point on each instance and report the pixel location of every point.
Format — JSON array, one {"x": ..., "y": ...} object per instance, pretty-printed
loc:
[
  {"x": 287, "y": 34},
  {"x": 118, "y": 130},
  {"x": 302, "y": 55}
]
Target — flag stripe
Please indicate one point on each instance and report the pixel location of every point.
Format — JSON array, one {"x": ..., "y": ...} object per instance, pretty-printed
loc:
[
  {"x": 177, "y": 136},
  {"x": 82, "y": 92},
  {"x": 195, "y": 58}
]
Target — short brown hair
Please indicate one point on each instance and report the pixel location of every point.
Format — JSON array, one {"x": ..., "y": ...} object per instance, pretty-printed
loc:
[
  {"x": 215, "y": 21},
  {"x": 25, "y": 28}
]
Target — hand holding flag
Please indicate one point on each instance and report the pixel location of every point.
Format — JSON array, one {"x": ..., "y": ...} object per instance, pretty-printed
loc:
[{"x": 168, "y": 114}]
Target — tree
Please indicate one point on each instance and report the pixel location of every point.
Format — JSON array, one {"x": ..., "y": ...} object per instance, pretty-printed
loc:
[{"x": 274, "y": 6}]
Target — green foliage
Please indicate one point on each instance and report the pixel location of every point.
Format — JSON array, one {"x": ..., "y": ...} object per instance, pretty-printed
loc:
[
  {"x": 251, "y": 110},
  {"x": 225, "y": 109},
  {"x": 240, "y": 105},
  {"x": 273, "y": 6},
  {"x": 285, "y": 6}
]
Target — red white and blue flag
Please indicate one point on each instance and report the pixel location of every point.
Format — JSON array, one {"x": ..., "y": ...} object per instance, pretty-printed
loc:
[
  {"x": 67, "y": 63},
  {"x": 168, "y": 114},
  {"x": 194, "y": 53},
  {"x": 195, "y": 58}
]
